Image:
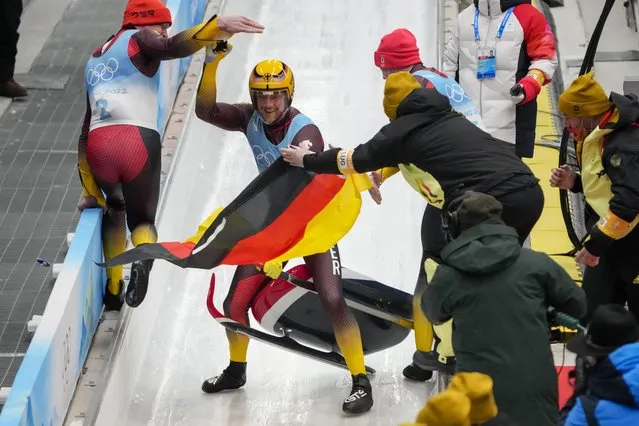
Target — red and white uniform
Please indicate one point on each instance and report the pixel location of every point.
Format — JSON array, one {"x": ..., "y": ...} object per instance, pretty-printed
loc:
[{"x": 526, "y": 43}]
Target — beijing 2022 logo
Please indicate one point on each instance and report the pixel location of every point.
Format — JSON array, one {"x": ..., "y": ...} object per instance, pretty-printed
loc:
[
  {"x": 102, "y": 72},
  {"x": 263, "y": 158},
  {"x": 456, "y": 93}
]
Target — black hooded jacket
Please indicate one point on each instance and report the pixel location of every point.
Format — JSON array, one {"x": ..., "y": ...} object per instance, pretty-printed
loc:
[{"x": 441, "y": 148}]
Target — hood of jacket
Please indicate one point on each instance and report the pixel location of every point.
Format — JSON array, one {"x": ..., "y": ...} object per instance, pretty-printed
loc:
[
  {"x": 424, "y": 101},
  {"x": 404, "y": 95},
  {"x": 483, "y": 249},
  {"x": 616, "y": 378},
  {"x": 627, "y": 107},
  {"x": 417, "y": 110},
  {"x": 497, "y": 7}
]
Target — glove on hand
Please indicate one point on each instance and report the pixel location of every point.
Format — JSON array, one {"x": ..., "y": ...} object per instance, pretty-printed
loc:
[
  {"x": 525, "y": 90},
  {"x": 217, "y": 50},
  {"x": 271, "y": 269}
]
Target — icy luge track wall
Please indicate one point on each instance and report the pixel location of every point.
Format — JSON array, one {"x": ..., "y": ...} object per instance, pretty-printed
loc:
[{"x": 47, "y": 378}]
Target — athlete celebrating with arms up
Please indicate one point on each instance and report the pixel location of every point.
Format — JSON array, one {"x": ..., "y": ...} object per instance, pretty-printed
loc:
[
  {"x": 119, "y": 147},
  {"x": 269, "y": 123}
]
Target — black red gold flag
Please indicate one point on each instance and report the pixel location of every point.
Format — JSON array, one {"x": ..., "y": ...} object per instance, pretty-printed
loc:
[{"x": 284, "y": 213}]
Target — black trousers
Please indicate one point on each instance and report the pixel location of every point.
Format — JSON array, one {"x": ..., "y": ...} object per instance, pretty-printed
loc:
[
  {"x": 616, "y": 278},
  {"x": 611, "y": 282},
  {"x": 10, "y": 13},
  {"x": 521, "y": 210}
]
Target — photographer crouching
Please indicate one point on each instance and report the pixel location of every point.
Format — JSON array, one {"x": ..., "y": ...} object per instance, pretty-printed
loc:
[{"x": 497, "y": 294}]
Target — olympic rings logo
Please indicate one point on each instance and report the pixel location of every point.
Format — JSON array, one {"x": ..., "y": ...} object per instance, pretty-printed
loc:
[
  {"x": 456, "y": 93},
  {"x": 102, "y": 72},
  {"x": 264, "y": 159}
]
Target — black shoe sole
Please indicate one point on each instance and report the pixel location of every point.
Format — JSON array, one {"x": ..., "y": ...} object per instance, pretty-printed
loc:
[
  {"x": 133, "y": 297},
  {"x": 13, "y": 96},
  {"x": 356, "y": 412},
  {"x": 357, "y": 409},
  {"x": 205, "y": 389},
  {"x": 137, "y": 289}
]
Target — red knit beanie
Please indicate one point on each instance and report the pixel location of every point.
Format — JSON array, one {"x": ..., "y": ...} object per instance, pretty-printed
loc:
[
  {"x": 397, "y": 50},
  {"x": 146, "y": 12}
]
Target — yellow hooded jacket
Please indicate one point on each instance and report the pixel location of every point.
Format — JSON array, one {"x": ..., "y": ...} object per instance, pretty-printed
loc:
[{"x": 608, "y": 159}]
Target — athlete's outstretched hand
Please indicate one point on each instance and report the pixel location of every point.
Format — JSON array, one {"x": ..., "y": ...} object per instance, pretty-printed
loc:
[
  {"x": 377, "y": 178},
  {"x": 374, "y": 192},
  {"x": 239, "y": 24},
  {"x": 294, "y": 155}
]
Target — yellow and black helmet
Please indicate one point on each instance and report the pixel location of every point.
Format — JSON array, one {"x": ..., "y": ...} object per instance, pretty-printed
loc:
[{"x": 272, "y": 75}]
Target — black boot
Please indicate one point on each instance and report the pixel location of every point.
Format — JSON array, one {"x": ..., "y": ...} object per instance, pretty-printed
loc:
[
  {"x": 113, "y": 302},
  {"x": 360, "y": 399},
  {"x": 432, "y": 361},
  {"x": 413, "y": 372},
  {"x": 139, "y": 282},
  {"x": 11, "y": 89},
  {"x": 233, "y": 377}
]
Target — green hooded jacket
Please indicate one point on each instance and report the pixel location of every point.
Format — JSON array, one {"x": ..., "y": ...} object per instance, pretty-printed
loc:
[{"x": 497, "y": 294}]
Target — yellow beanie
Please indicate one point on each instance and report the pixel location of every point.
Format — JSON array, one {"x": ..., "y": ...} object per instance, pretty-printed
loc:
[
  {"x": 584, "y": 98},
  {"x": 449, "y": 408},
  {"x": 398, "y": 86},
  {"x": 479, "y": 389}
]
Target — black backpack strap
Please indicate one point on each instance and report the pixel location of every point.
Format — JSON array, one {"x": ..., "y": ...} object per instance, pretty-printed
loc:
[{"x": 589, "y": 405}]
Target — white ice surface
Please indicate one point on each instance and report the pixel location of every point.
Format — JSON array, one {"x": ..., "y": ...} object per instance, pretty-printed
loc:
[{"x": 171, "y": 344}]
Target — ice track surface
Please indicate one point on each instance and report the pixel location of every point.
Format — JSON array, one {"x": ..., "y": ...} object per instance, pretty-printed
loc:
[{"x": 171, "y": 344}]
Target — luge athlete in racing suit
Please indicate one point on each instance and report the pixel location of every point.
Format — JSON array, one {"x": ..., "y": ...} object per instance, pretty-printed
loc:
[
  {"x": 119, "y": 147},
  {"x": 269, "y": 123}
]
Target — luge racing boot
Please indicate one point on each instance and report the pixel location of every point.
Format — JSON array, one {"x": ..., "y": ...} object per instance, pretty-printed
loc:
[
  {"x": 233, "y": 377},
  {"x": 139, "y": 282},
  {"x": 113, "y": 302},
  {"x": 361, "y": 398},
  {"x": 413, "y": 372},
  {"x": 433, "y": 361}
]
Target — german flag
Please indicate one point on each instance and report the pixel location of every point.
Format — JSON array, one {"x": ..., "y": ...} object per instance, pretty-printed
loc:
[{"x": 284, "y": 213}]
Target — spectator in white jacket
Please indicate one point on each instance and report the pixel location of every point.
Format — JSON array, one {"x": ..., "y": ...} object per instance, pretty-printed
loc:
[{"x": 502, "y": 52}]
